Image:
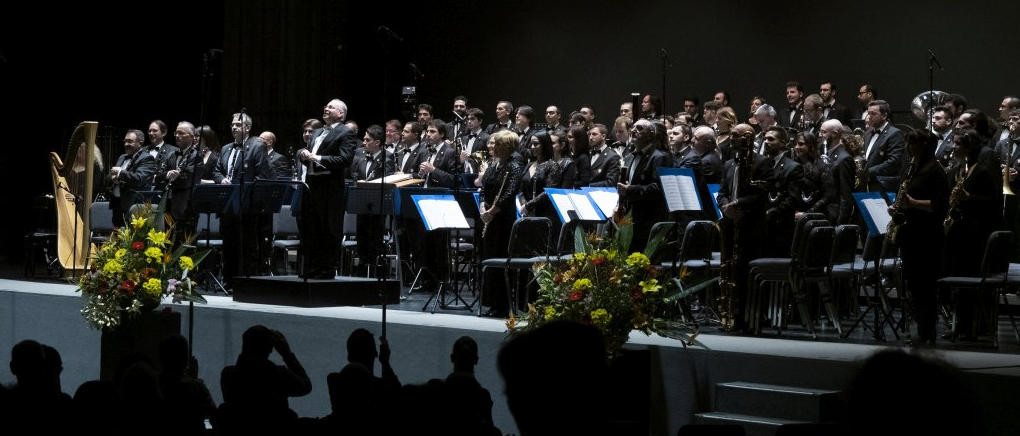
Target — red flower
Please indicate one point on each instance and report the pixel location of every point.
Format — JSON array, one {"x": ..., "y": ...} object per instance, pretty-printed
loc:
[
  {"x": 576, "y": 295},
  {"x": 598, "y": 261},
  {"x": 558, "y": 278},
  {"x": 137, "y": 245},
  {"x": 128, "y": 285}
]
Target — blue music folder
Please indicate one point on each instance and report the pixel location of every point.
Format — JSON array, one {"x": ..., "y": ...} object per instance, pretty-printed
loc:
[
  {"x": 875, "y": 211},
  {"x": 576, "y": 200},
  {"x": 713, "y": 190},
  {"x": 440, "y": 212}
]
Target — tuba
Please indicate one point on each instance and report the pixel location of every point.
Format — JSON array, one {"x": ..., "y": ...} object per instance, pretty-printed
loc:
[
  {"x": 923, "y": 106},
  {"x": 73, "y": 179}
]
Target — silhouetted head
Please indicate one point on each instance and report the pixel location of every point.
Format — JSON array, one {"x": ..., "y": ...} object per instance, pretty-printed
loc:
[
  {"x": 257, "y": 342},
  {"x": 28, "y": 362},
  {"x": 465, "y": 354},
  {"x": 173, "y": 354},
  {"x": 361, "y": 348}
]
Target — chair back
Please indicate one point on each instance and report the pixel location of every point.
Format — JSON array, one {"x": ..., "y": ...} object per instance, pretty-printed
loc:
[
  {"x": 873, "y": 247},
  {"x": 798, "y": 231},
  {"x": 801, "y": 238},
  {"x": 844, "y": 244},
  {"x": 817, "y": 246},
  {"x": 285, "y": 223},
  {"x": 997, "y": 253},
  {"x": 350, "y": 224},
  {"x": 699, "y": 236},
  {"x": 214, "y": 226},
  {"x": 670, "y": 241},
  {"x": 565, "y": 243},
  {"x": 101, "y": 217},
  {"x": 529, "y": 237}
]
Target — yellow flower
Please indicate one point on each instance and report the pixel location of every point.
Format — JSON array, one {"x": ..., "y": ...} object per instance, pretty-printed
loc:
[
  {"x": 153, "y": 254},
  {"x": 186, "y": 263},
  {"x": 154, "y": 287},
  {"x": 582, "y": 284},
  {"x": 138, "y": 222},
  {"x": 600, "y": 317},
  {"x": 157, "y": 238},
  {"x": 112, "y": 267},
  {"x": 120, "y": 253},
  {"x": 638, "y": 260},
  {"x": 579, "y": 257},
  {"x": 650, "y": 285},
  {"x": 550, "y": 312}
]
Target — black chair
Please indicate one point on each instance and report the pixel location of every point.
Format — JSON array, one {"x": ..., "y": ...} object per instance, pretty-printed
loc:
[
  {"x": 529, "y": 241},
  {"x": 671, "y": 235},
  {"x": 565, "y": 244},
  {"x": 100, "y": 222},
  {"x": 841, "y": 267},
  {"x": 286, "y": 238},
  {"x": 813, "y": 268},
  {"x": 993, "y": 276},
  {"x": 878, "y": 266},
  {"x": 348, "y": 243}
]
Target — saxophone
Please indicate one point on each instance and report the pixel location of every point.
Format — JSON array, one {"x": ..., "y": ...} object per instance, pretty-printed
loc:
[
  {"x": 727, "y": 269},
  {"x": 956, "y": 196},
  {"x": 898, "y": 206}
]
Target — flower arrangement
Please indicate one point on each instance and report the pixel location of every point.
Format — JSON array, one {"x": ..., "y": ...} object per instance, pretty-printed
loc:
[
  {"x": 605, "y": 286},
  {"x": 135, "y": 270}
]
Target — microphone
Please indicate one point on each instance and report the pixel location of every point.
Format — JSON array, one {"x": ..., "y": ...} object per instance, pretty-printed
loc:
[{"x": 934, "y": 59}]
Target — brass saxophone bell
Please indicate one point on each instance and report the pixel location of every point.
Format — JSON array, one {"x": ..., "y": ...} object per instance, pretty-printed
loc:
[{"x": 1006, "y": 190}]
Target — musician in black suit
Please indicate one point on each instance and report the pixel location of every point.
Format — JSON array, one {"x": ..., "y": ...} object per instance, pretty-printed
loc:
[
  {"x": 831, "y": 110},
  {"x": 883, "y": 150},
  {"x": 504, "y": 118},
  {"x": 280, "y": 165},
  {"x": 641, "y": 192},
  {"x": 456, "y": 126},
  {"x": 605, "y": 162},
  {"x": 441, "y": 167},
  {"x": 577, "y": 139},
  {"x": 209, "y": 149},
  {"x": 784, "y": 191},
  {"x": 410, "y": 157},
  {"x": 942, "y": 127},
  {"x": 703, "y": 159},
  {"x": 812, "y": 117},
  {"x": 743, "y": 202},
  {"x": 522, "y": 126},
  {"x": 245, "y": 158},
  {"x": 322, "y": 207},
  {"x": 182, "y": 179},
  {"x": 133, "y": 172},
  {"x": 790, "y": 116},
  {"x": 1008, "y": 152},
  {"x": 473, "y": 140},
  {"x": 838, "y": 173},
  {"x": 164, "y": 153},
  {"x": 393, "y": 128},
  {"x": 371, "y": 163}
]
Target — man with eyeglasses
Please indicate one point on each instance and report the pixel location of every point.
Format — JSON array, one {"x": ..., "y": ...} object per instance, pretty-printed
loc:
[
  {"x": 865, "y": 95},
  {"x": 640, "y": 191},
  {"x": 765, "y": 115}
]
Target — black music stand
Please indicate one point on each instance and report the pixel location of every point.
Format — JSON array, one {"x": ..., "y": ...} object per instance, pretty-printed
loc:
[
  {"x": 265, "y": 197},
  {"x": 466, "y": 200},
  {"x": 210, "y": 199},
  {"x": 407, "y": 211},
  {"x": 363, "y": 199},
  {"x": 428, "y": 214}
]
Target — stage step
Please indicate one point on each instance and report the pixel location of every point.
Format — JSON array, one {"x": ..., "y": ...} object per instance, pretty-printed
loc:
[
  {"x": 753, "y": 425},
  {"x": 784, "y": 402}
]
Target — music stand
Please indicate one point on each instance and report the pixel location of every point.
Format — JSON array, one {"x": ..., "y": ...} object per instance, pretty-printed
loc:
[
  {"x": 265, "y": 197},
  {"x": 364, "y": 199},
  {"x": 403, "y": 207},
  {"x": 441, "y": 213},
  {"x": 210, "y": 199},
  {"x": 470, "y": 208}
]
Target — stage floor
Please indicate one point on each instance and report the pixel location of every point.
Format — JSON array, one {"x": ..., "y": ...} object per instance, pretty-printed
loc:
[{"x": 48, "y": 312}]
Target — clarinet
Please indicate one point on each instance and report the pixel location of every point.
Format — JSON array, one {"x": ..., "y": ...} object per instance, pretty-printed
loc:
[{"x": 485, "y": 228}]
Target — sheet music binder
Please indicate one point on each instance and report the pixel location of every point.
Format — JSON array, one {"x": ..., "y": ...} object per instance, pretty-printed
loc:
[
  {"x": 606, "y": 198},
  {"x": 874, "y": 210},
  {"x": 577, "y": 201},
  {"x": 266, "y": 196},
  {"x": 402, "y": 201},
  {"x": 713, "y": 191},
  {"x": 440, "y": 212},
  {"x": 680, "y": 189}
]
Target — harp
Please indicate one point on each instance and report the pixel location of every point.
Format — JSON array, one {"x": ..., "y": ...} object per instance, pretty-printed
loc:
[{"x": 72, "y": 191}]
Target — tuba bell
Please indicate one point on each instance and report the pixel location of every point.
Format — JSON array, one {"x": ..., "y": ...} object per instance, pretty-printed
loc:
[{"x": 923, "y": 106}]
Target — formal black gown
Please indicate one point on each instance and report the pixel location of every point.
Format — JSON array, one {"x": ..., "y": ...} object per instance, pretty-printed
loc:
[
  {"x": 920, "y": 240},
  {"x": 537, "y": 202},
  {"x": 500, "y": 183}
]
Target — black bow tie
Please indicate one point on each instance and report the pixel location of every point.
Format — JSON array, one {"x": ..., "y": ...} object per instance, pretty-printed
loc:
[
  {"x": 828, "y": 106},
  {"x": 472, "y": 136}
]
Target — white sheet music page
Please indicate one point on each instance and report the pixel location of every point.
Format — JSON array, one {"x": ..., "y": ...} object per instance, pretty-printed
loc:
[
  {"x": 585, "y": 210},
  {"x": 443, "y": 214},
  {"x": 681, "y": 194},
  {"x": 605, "y": 200},
  {"x": 563, "y": 204},
  {"x": 393, "y": 178},
  {"x": 879, "y": 212}
]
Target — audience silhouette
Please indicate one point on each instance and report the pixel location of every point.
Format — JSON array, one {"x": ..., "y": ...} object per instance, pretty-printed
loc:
[
  {"x": 182, "y": 388},
  {"x": 35, "y": 398}
]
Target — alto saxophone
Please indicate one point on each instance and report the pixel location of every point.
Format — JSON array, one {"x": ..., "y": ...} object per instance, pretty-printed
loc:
[
  {"x": 898, "y": 206},
  {"x": 956, "y": 196},
  {"x": 727, "y": 270}
]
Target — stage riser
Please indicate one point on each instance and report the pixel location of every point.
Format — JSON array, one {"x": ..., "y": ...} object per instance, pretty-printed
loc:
[
  {"x": 787, "y": 402},
  {"x": 292, "y": 291}
]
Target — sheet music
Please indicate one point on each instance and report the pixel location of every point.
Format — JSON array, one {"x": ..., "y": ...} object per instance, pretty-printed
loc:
[
  {"x": 680, "y": 192},
  {"x": 443, "y": 214},
  {"x": 392, "y": 178},
  {"x": 585, "y": 210},
  {"x": 879, "y": 212},
  {"x": 605, "y": 200},
  {"x": 563, "y": 204}
]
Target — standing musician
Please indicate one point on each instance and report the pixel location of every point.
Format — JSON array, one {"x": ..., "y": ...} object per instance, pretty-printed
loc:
[
  {"x": 542, "y": 173},
  {"x": 412, "y": 154},
  {"x": 784, "y": 196},
  {"x": 1008, "y": 151},
  {"x": 473, "y": 140},
  {"x": 133, "y": 173},
  {"x": 605, "y": 162},
  {"x": 322, "y": 217},
  {"x": 442, "y": 166},
  {"x": 245, "y": 157},
  {"x": 743, "y": 204},
  {"x": 371, "y": 163},
  {"x": 942, "y": 127},
  {"x": 920, "y": 206},
  {"x": 182, "y": 179},
  {"x": 883, "y": 150},
  {"x": 499, "y": 183},
  {"x": 975, "y": 210},
  {"x": 165, "y": 154},
  {"x": 641, "y": 193}
]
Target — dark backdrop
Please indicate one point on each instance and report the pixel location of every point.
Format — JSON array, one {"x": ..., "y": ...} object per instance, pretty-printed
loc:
[{"x": 283, "y": 61}]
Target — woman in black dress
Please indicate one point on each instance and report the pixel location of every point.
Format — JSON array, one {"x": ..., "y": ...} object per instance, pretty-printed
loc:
[
  {"x": 542, "y": 173},
  {"x": 577, "y": 138},
  {"x": 500, "y": 183}
]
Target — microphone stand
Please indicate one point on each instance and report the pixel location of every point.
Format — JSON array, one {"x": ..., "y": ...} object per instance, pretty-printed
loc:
[
  {"x": 932, "y": 63},
  {"x": 665, "y": 65},
  {"x": 240, "y": 210},
  {"x": 380, "y": 260}
]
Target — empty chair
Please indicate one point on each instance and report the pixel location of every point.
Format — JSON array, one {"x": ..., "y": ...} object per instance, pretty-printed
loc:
[
  {"x": 994, "y": 272},
  {"x": 286, "y": 238},
  {"x": 529, "y": 240},
  {"x": 100, "y": 221}
]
